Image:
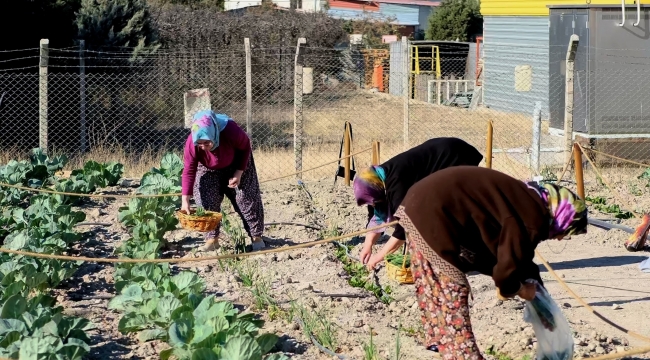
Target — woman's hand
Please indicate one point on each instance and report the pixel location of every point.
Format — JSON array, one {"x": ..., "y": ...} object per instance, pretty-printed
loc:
[
  {"x": 185, "y": 204},
  {"x": 527, "y": 291},
  {"x": 389, "y": 248},
  {"x": 235, "y": 179},
  {"x": 366, "y": 251}
]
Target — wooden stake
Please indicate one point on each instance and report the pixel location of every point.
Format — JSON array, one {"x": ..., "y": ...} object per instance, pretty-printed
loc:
[
  {"x": 375, "y": 153},
  {"x": 488, "y": 146},
  {"x": 346, "y": 150},
  {"x": 577, "y": 164}
]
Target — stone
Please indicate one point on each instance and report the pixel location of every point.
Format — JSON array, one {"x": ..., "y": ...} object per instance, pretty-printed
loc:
[
  {"x": 602, "y": 338},
  {"x": 594, "y": 335},
  {"x": 304, "y": 287},
  {"x": 600, "y": 350},
  {"x": 357, "y": 323},
  {"x": 592, "y": 347},
  {"x": 393, "y": 307},
  {"x": 566, "y": 305},
  {"x": 616, "y": 307},
  {"x": 620, "y": 349}
]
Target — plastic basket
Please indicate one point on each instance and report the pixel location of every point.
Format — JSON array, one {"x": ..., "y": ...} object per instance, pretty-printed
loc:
[
  {"x": 205, "y": 223},
  {"x": 401, "y": 274}
]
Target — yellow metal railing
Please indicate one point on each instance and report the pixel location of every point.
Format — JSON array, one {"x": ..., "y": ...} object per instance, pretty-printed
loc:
[{"x": 415, "y": 68}]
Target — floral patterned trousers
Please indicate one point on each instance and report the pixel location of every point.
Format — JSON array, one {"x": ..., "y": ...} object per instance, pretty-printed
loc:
[{"x": 445, "y": 310}]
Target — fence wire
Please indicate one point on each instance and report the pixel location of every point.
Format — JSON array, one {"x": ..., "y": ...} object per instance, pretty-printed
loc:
[{"x": 88, "y": 102}]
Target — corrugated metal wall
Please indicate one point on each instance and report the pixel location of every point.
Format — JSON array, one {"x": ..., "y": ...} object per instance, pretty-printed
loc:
[
  {"x": 537, "y": 7},
  {"x": 510, "y": 41},
  {"x": 352, "y": 14},
  {"x": 407, "y": 15}
]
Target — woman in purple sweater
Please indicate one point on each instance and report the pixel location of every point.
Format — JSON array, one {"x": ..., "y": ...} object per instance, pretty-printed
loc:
[{"x": 219, "y": 161}]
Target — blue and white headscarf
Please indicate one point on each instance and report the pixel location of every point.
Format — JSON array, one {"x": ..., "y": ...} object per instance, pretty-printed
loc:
[{"x": 207, "y": 126}]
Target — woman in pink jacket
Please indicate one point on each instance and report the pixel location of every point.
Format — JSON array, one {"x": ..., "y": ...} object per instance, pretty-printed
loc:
[{"x": 219, "y": 161}]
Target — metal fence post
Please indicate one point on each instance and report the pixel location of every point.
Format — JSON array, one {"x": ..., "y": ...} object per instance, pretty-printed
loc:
[
  {"x": 249, "y": 89},
  {"x": 42, "y": 94},
  {"x": 297, "y": 106},
  {"x": 82, "y": 97},
  {"x": 407, "y": 89},
  {"x": 537, "y": 134},
  {"x": 568, "y": 97}
]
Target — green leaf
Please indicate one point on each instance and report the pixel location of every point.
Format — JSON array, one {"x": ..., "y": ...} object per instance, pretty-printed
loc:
[
  {"x": 152, "y": 334},
  {"x": 75, "y": 349},
  {"x": 201, "y": 332},
  {"x": 204, "y": 354},
  {"x": 180, "y": 333},
  {"x": 9, "y": 325},
  {"x": 277, "y": 357},
  {"x": 13, "y": 307},
  {"x": 166, "y": 354},
  {"x": 166, "y": 307},
  {"x": 267, "y": 342},
  {"x": 132, "y": 322},
  {"x": 241, "y": 347}
]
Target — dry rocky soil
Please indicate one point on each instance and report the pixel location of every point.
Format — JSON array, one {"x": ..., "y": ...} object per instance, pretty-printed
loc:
[{"x": 595, "y": 265}]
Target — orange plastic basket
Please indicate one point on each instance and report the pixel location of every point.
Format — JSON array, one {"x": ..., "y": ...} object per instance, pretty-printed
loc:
[{"x": 205, "y": 223}]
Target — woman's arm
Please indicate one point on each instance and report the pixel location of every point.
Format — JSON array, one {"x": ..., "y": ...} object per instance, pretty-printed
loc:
[
  {"x": 388, "y": 248},
  {"x": 514, "y": 258},
  {"x": 191, "y": 162}
]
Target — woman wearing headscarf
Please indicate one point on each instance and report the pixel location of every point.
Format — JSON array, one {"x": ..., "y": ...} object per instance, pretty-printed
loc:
[
  {"x": 468, "y": 218},
  {"x": 382, "y": 188},
  {"x": 219, "y": 161}
]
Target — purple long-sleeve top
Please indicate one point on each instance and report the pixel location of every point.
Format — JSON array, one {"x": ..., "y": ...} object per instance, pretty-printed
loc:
[{"x": 234, "y": 149}]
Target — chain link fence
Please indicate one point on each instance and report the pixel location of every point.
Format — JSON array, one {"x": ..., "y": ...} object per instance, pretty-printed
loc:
[{"x": 100, "y": 104}]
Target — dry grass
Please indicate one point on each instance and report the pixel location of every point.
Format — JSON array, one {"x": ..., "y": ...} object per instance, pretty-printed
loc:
[{"x": 373, "y": 117}]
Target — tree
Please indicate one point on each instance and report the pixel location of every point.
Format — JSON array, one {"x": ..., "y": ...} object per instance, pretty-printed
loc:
[
  {"x": 455, "y": 19},
  {"x": 117, "y": 23},
  {"x": 48, "y": 19}
]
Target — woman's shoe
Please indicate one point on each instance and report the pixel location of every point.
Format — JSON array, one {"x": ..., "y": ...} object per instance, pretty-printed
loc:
[
  {"x": 258, "y": 243},
  {"x": 210, "y": 245}
]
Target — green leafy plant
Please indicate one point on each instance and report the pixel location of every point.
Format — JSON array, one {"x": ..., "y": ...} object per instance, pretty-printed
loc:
[
  {"x": 200, "y": 211},
  {"x": 316, "y": 324},
  {"x": 399, "y": 260},
  {"x": 600, "y": 204},
  {"x": 370, "y": 351},
  {"x": 34, "y": 329},
  {"x": 359, "y": 276}
]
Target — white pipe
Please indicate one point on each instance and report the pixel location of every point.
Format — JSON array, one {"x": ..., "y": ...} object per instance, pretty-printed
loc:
[
  {"x": 638, "y": 12},
  {"x": 623, "y": 11}
]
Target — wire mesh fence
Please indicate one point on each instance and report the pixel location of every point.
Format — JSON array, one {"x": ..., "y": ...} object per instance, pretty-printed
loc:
[{"x": 295, "y": 106}]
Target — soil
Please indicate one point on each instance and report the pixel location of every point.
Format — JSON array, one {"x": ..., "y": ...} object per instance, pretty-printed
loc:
[{"x": 596, "y": 266}]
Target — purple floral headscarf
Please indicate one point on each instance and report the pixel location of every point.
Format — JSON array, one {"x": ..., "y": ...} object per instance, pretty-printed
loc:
[{"x": 568, "y": 213}]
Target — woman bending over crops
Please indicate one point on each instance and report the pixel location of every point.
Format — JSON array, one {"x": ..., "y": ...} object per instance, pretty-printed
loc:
[
  {"x": 470, "y": 218},
  {"x": 219, "y": 161},
  {"x": 382, "y": 188}
]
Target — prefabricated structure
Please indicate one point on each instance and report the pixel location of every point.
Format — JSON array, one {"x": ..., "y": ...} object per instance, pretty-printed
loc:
[
  {"x": 516, "y": 52},
  {"x": 612, "y": 66}
]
